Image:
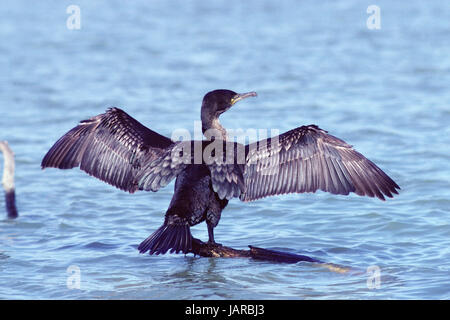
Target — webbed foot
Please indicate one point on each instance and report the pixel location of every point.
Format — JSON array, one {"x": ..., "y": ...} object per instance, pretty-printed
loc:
[{"x": 213, "y": 244}]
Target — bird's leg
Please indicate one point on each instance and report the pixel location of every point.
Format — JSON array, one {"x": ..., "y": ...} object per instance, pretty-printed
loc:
[{"x": 211, "y": 241}]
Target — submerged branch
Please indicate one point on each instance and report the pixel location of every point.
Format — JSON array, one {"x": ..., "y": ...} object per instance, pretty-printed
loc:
[{"x": 217, "y": 251}]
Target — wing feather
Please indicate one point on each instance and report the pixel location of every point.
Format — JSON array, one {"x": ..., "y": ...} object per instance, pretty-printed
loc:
[
  {"x": 113, "y": 147},
  {"x": 307, "y": 159}
]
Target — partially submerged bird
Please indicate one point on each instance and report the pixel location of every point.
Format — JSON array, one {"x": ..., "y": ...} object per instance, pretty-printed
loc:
[
  {"x": 119, "y": 150},
  {"x": 8, "y": 180}
]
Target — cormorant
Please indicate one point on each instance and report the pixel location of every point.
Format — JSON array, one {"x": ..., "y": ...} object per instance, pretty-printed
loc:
[{"x": 119, "y": 150}]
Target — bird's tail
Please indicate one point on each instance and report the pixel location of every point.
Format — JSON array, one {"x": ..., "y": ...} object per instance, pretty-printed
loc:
[{"x": 174, "y": 236}]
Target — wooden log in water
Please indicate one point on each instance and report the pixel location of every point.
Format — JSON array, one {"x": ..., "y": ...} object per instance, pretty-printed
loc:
[
  {"x": 203, "y": 249},
  {"x": 279, "y": 256},
  {"x": 218, "y": 251},
  {"x": 8, "y": 180}
]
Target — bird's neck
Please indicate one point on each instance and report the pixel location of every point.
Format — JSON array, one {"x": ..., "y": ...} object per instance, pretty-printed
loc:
[{"x": 211, "y": 127}]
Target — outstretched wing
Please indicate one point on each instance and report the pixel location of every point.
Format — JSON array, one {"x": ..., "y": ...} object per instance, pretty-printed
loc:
[
  {"x": 307, "y": 159},
  {"x": 112, "y": 147}
]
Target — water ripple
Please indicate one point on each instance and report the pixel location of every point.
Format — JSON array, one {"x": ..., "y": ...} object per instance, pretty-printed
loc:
[{"x": 384, "y": 91}]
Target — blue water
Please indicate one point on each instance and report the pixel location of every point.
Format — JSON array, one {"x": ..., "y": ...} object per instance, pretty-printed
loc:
[{"x": 386, "y": 91}]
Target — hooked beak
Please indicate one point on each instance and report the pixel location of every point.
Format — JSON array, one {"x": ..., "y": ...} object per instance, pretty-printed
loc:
[{"x": 241, "y": 96}]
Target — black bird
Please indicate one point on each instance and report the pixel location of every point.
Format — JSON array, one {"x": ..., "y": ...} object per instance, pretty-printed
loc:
[{"x": 119, "y": 150}]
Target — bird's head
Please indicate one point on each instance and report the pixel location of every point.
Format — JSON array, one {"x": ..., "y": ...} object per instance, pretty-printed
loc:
[{"x": 218, "y": 101}]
